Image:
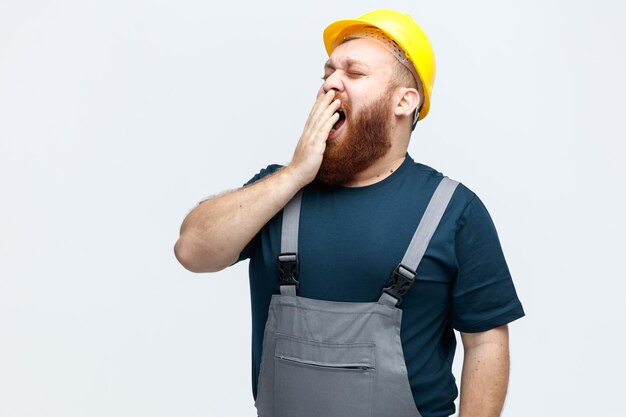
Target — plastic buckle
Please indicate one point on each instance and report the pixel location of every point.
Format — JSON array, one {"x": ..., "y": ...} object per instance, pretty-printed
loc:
[
  {"x": 288, "y": 269},
  {"x": 400, "y": 282}
]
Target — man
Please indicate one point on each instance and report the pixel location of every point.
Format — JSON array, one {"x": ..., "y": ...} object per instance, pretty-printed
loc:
[{"x": 333, "y": 334}]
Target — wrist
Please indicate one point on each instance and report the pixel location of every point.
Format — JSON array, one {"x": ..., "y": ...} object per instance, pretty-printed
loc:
[{"x": 295, "y": 178}]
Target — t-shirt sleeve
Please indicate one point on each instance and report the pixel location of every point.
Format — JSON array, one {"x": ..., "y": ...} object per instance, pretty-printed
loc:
[
  {"x": 483, "y": 294},
  {"x": 270, "y": 169}
]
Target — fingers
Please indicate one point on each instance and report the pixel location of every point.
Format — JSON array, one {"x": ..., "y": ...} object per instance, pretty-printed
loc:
[
  {"x": 321, "y": 107},
  {"x": 329, "y": 123},
  {"x": 323, "y": 117},
  {"x": 312, "y": 144}
]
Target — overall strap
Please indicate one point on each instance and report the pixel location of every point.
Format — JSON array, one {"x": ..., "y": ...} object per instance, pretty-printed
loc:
[
  {"x": 288, "y": 258},
  {"x": 403, "y": 276}
]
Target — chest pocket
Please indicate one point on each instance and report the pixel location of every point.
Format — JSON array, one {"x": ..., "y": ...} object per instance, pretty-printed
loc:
[{"x": 314, "y": 379}]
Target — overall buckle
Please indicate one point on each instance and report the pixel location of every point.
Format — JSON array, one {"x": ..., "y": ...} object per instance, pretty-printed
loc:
[
  {"x": 288, "y": 269},
  {"x": 400, "y": 282}
]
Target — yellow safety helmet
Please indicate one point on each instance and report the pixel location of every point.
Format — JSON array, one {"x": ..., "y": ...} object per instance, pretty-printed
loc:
[{"x": 402, "y": 29}]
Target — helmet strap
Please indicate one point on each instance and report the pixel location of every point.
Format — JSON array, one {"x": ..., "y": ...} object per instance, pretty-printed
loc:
[{"x": 416, "y": 116}]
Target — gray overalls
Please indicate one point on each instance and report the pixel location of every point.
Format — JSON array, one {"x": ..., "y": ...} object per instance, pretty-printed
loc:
[{"x": 340, "y": 359}]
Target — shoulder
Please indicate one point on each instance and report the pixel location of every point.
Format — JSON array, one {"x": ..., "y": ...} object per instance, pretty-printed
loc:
[{"x": 463, "y": 198}]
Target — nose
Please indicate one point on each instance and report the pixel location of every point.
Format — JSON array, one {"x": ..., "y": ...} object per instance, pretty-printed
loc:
[{"x": 333, "y": 82}]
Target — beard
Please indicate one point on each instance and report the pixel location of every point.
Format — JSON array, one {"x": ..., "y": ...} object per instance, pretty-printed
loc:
[{"x": 366, "y": 139}]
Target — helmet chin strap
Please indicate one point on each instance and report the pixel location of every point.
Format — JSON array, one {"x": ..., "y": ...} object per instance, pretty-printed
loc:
[{"x": 416, "y": 116}]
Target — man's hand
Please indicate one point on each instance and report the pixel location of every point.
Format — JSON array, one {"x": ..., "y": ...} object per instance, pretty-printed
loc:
[
  {"x": 485, "y": 373},
  {"x": 309, "y": 152}
]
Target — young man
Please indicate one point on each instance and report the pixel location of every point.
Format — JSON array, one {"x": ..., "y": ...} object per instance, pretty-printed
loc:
[{"x": 333, "y": 333}]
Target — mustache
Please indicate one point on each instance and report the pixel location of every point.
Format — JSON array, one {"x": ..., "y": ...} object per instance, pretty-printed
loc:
[{"x": 345, "y": 103}]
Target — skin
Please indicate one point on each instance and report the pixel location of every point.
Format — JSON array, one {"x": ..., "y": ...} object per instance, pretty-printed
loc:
[
  {"x": 215, "y": 232},
  {"x": 485, "y": 376}
]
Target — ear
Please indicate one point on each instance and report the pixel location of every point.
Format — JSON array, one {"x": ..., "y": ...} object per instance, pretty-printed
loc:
[{"x": 408, "y": 100}]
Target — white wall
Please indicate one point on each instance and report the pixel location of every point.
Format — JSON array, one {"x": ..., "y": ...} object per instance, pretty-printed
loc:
[{"x": 116, "y": 117}]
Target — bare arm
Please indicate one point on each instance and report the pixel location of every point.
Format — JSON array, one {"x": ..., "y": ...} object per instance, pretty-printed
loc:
[
  {"x": 485, "y": 375},
  {"x": 213, "y": 235}
]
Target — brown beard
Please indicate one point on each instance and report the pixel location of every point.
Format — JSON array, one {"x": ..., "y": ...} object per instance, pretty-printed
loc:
[{"x": 366, "y": 140}]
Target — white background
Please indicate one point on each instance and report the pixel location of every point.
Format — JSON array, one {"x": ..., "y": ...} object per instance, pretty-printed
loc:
[{"x": 116, "y": 117}]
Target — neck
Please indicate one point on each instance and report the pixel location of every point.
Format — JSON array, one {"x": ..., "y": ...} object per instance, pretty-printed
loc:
[
  {"x": 378, "y": 171},
  {"x": 387, "y": 165}
]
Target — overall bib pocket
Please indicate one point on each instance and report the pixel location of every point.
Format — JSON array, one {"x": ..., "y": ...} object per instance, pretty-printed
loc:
[{"x": 314, "y": 379}]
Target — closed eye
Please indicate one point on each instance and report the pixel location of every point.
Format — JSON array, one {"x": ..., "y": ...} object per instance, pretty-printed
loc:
[{"x": 351, "y": 74}]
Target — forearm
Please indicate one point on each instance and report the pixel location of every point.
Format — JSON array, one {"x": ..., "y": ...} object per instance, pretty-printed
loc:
[
  {"x": 215, "y": 232},
  {"x": 485, "y": 377}
]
